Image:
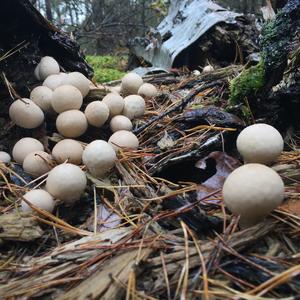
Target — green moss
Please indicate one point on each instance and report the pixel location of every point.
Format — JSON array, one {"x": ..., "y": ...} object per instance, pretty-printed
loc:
[
  {"x": 107, "y": 68},
  {"x": 247, "y": 84}
]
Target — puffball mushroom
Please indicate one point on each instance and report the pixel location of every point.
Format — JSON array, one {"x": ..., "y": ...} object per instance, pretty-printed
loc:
[
  {"x": 68, "y": 149},
  {"x": 131, "y": 83},
  {"x": 25, "y": 113},
  {"x": 40, "y": 199},
  {"x": 66, "y": 182},
  {"x": 253, "y": 191},
  {"x": 147, "y": 90},
  {"x": 37, "y": 72},
  {"x": 48, "y": 66},
  {"x": 5, "y": 157},
  {"x": 37, "y": 163},
  {"x": 259, "y": 143},
  {"x": 99, "y": 157},
  {"x": 25, "y": 146},
  {"x": 134, "y": 106},
  {"x": 42, "y": 96},
  {"x": 54, "y": 81},
  {"x": 66, "y": 97},
  {"x": 71, "y": 123},
  {"x": 79, "y": 81},
  {"x": 115, "y": 103},
  {"x": 123, "y": 139},
  {"x": 96, "y": 113},
  {"x": 208, "y": 69},
  {"x": 120, "y": 123}
]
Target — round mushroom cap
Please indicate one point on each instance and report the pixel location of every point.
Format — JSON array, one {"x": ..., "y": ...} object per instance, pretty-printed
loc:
[
  {"x": 134, "y": 106},
  {"x": 5, "y": 157},
  {"x": 253, "y": 191},
  {"x": 25, "y": 113},
  {"x": 48, "y": 66},
  {"x": 131, "y": 83},
  {"x": 115, "y": 89},
  {"x": 99, "y": 157},
  {"x": 123, "y": 139},
  {"x": 79, "y": 81},
  {"x": 42, "y": 96},
  {"x": 66, "y": 97},
  {"x": 66, "y": 182},
  {"x": 68, "y": 149},
  {"x": 260, "y": 143},
  {"x": 55, "y": 80},
  {"x": 208, "y": 69},
  {"x": 25, "y": 146},
  {"x": 120, "y": 123},
  {"x": 37, "y": 72},
  {"x": 37, "y": 163},
  {"x": 147, "y": 90},
  {"x": 71, "y": 123},
  {"x": 97, "y": 113},
  {"x": 40, "y": 199},
  {"x": 115, "y": 103}
]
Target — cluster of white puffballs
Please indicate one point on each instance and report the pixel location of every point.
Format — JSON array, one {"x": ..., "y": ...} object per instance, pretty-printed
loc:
[
  {"x": 63, "y": 94},
  {"x": 254, "y": 189}
]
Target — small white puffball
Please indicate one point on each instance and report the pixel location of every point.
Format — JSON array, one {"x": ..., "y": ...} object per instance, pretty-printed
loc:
[
  {"x": 25, "y": 113},
  {"x": 208, "y": 69},
  {"x": 25, "y": 146},
  {"x": 120, "y": 123},
  {"x": 68, "y": 149},
  {"x": 48, "y": 66},
  {"x": 37, "y": 163},
  {"x": 115, "y": 89},
  {"x": 147, "y": 90},
  {"x": 66, "y": 182},
  {"x": 40, "y": 199},
  {"x": 96, "y": 113},
  {"x": 99, "y": 157},
  {"x": 54, "y": 81},
  {"x": 123, "y": 139},
  {"x": 260, "y": 143},
  {"x": 37, "y": 72},
  {"x": 131, "y": 83},
  {"x": 42, "y": 96},
  {"x": 115, "y": 103},
  {"x": 66, "y": 97},
  {"x": 134, "y": 106},
  {"x": 71, "y": 123},
  {"x": 79, "y": 81},
  {"x": 5, "y": 157},
  {"x": 253, "y": 191}
]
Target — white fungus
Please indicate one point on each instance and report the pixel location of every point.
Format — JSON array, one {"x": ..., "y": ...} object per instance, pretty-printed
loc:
[
  {"x": 115, "y": 103},
  {"x": 37, "y": 163},
  {"x": 25, "y": 146},
  {"x": 120, "y": 123},
  {"x": 99, "y": 157},
  {"x": 147, "y": 90},
  {"x": 48, "y": 66},
  {"x": 42, "y": 96},
  {"x": 208, "y": 69},
  {"x": 123, "y": 139},
  {"x": 5, "y": 157},
  {"x": 253, "y": 191},
  {"x": 96, "y": 113},
  {"x": 37, "y": 72},
  {"x": 66, "y": 182},
  {"x": 79, "y": 81},
  {"x": 66, "y": 97},
  {"x": 25, "y": 113},
  {"x": 134, "y": 106},
  {"x": 54, "y": 81},
  {"x": 131, "y": 83},
  {"x": 260, "y": 143},
  {"x": 39, "y": 198},
  {"x": 68, "y": 149},
  {"x": 71, "y": 123}
]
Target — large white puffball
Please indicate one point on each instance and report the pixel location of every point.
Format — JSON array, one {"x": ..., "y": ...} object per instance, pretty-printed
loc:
[
  {"x": 54, "y": 81},
  {"x": 42, "y": 96},
  {"x": 115, "y": 103},
  {"x": 123, "y": 139},
  {"x": 253, "y": 191},
  {"x": 37, "y": 163},
  {"x": 79, "y": 81},
  {"x": 260, "y": 143},
  {"x": 68, "y": 149},
  {"x": 25, "y": 146},
  {"x": 96, "y": 113},
  {"x": 99, "y": 157},
  {"x": 5, "y": 157},
  {"x": 71, "y": 123},
  {"x": 120, "y": 123},
  {"x": 48, "y": 66},
  {"x": 25, "y": 113},
  {"x": 134, "y": 107},
  {"x": 40, "y": 199},
  {"x": 147, "y": 90},
  {"x": 131, "y": 83},
  {"x": 66, "y": 182}
]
